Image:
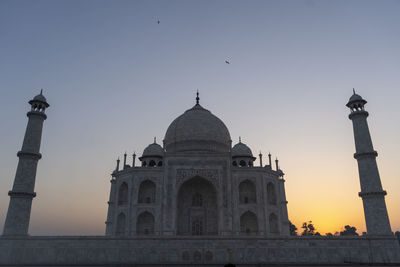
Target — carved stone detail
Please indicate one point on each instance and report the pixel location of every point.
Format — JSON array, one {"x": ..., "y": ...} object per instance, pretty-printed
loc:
[{"x": 184, "y": 174}]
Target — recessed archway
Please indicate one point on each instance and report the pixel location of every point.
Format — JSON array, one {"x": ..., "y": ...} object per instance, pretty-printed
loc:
[
  {"x": 147, "y": 192},
  {"x": 248, "y": 223},
  {"x": 197, "y": 208},
  {"x": 247, "y": 192},
  {"x": 145, "y": 224}
]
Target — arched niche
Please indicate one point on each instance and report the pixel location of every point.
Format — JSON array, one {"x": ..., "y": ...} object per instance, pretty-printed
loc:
[
  {"x": 123, "y": 194},
  {"x": 147, "y": 192},
  {"x": 121, "y": 222},
  {"x": 197, "y": 208},
  {"x": 273, "y": 223},
  {"x": 248, "y": 223},
  {"x": 271, "y": 194},
  {"x": 145, "y": 224},
  {"x": 247, "y": 192}
]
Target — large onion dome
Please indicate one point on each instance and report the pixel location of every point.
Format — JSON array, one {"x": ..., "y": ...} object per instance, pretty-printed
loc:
[{"x": 197, "y": 130}]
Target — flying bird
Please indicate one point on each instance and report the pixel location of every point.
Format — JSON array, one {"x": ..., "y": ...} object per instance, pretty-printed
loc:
[
  {"x": 158, "y": 22},
  {"x": 227, "y": 62}
]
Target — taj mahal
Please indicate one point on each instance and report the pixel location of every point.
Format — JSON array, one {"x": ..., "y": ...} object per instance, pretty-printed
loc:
[
  {"x": 197, "y": 199},
  {"x": 197, "y": 184}
]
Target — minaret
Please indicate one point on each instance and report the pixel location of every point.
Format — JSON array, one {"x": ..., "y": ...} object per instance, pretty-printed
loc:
[
  {"x": 372, "y": 194},
  {"x": 22, "y": 193}
]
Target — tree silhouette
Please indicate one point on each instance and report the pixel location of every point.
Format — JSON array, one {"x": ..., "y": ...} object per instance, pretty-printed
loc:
[
  {"x": 349, "y": 231},
  {"x": 293, "y": 228},
  {"x": 308, "y": 228}
]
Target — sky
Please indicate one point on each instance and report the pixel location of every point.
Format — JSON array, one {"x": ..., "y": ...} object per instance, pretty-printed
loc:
[{"x": 115, "y": 79}]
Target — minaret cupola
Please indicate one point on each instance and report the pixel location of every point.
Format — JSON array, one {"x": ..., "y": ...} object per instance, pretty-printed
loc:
[
  {"x": 39, "y": 103},
  {"x": 152, "y": 155},
  {"x": 356, "y": 102},
  {"x": 242, "y": 155}
]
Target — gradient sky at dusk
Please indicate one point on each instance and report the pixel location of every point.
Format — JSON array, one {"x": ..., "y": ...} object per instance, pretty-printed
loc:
[{"x": 115, "y": 79}]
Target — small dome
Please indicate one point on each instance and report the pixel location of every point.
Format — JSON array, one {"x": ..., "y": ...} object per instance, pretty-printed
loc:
[
  {"x": 241, "y": 150},
  {"x": 197, "y": 130},
  {"x": 153, "y": 150},
  {"x": 356, "y": 101},
  {"x": 40, "y": 97},
  {"x": 355, "y": 97}
]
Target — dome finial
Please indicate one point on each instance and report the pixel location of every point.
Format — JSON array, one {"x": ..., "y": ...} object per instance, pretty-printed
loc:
[
  {"x": 155, "y": 140},
  {"x": 354, "y": 91},
  {"x": 41, "y": 91},
  {"x": 197, "y": 97},
  {"x": 240, "y": 139}
]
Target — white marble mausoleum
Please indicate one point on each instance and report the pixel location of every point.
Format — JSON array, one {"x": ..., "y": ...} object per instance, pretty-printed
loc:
[{"x": 197, "y": 200}]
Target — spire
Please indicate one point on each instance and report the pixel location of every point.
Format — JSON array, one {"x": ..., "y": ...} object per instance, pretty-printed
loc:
[
  {"x": 117, "y": 169},
  {"x": 260, "y": 155},
  {"x": 276, "y": 163},
  {"x": 269, "y": 160},
  {"x": 240, "y": 139},
  {"x": 155, "y": 140},
  {"x": 354, "y": 91},
  {"x": 197, "y": 97},
  {"x": 124, "y": 160},
  {"x": 41, "y": 91},
  {"x": 133, "y": 159}
]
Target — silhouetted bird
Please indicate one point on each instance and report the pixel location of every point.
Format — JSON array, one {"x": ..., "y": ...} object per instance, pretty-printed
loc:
[
  {"x": 227, "y": 62},
  {"x": 158, "y": 22}
]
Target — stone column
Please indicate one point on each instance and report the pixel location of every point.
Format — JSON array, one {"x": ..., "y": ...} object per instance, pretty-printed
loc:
[
  {"x": 285, "y": 226},
  {"x": 22, "y": 193},
  {"x": 111, "y": 208},
  {"x": 372, "y": 194}
]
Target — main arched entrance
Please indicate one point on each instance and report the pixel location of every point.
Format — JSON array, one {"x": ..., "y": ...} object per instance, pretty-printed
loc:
[{"x": 197, "y": 212}]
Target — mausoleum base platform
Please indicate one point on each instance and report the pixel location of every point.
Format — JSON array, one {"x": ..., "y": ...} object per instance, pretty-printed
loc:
[{"x": 207, "y": 251}]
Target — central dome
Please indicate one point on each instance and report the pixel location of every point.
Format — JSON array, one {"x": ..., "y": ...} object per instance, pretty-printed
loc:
[{"x": 197, "y": 130}]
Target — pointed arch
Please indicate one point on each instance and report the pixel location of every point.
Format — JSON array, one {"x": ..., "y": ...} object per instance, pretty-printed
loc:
[
  {"x": 121, "y": 222},
  {"x": 248, "y": 223},
  {"x": 197, "y": 207},
  {"x": 152, "y": 163},
  {"x": 273, "y": 223},
  {"x": 271, "y": 193},
  {"x": 147, "y": 192},
  {"x": 247, "y": 192},
  {"x": 123, "y": 194},
  {"x": 145, "y": 224}
]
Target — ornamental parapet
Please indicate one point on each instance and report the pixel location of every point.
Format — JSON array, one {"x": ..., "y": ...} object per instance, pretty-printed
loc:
[
  {"x": 372, "y": 194},
  {"x": 37, "y": 113},
  {"x": 26, "y": 154},
  {"x": 365, "y": 154},
  {"x": 358, "y": 113},
  {"x": 21, "y": 194}
]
